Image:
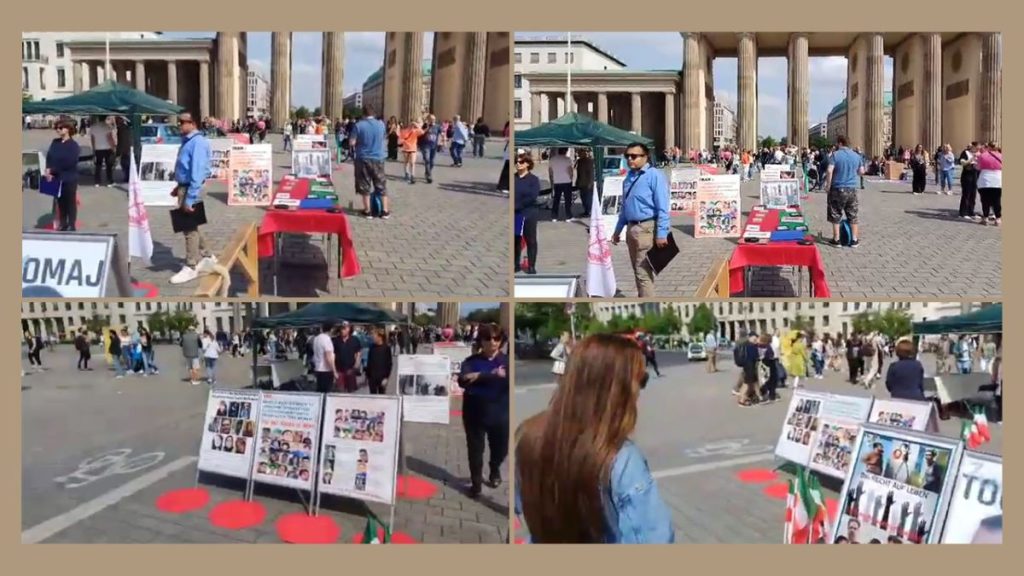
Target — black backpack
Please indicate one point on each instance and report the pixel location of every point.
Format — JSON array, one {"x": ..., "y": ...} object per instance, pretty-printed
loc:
[{"x": 739, "y": 354}]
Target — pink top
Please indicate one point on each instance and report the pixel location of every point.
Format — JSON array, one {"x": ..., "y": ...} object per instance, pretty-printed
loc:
[{"x": 989, "y": 160}]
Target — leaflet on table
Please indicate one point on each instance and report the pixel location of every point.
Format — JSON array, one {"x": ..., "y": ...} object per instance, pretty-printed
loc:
[
  {"x": 423, "y": 381},
  {"x": 288, "y": 438},
  {"x": 360, "y": 447},
  {"x": 975, "y": 511},
  {"x": 895, "y": 488},
  {"x": 229, "y": 442},
  {"x": 156, "y": 174},
  {"x": 908, "y": 414}
]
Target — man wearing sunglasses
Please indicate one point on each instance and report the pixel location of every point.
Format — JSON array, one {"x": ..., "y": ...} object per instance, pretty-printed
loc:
[
  {"x": 191, "y": 170},
  {"x": 644, "y": 214}
]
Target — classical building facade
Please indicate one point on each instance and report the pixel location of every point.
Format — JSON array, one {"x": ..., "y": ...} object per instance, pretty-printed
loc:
[
  {"x": 373, "y": 88},
  {"x": 63, "y": 319},
  {"x": 725, "y": 125},
  {"x": 947, "y": 87},
  {"x": 47, "y": 69},
  {"x": 258, "y": 95}
]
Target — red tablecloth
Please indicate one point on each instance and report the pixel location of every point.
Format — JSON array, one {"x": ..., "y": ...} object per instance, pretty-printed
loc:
[
  {"x": 778, "y": 254},
  {"x": 311, "y": 222}
]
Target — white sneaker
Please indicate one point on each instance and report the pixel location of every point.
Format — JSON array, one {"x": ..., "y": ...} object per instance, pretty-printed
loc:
[
  {"x": 195, "y": 383},
  {"x": 186, "y": 274},
  {"x": 118, "y": 377}
]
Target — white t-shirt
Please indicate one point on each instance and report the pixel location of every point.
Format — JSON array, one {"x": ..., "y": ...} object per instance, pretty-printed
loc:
[
  {"x": 561, "y": 168},
  {"x": 322, "y": 345},
  {"x": 101, "y": 134},
  {"x": 990, "y": 179},
  {"x": 211, "y": 349}
]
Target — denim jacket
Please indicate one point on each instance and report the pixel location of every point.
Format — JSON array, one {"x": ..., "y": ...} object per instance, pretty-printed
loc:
[{"x": 634, "y": 511}]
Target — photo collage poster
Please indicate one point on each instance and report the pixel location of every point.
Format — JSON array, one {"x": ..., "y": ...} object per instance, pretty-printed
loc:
[
  {"x": 156, "y": 174},
  {"x": 456, "y": 353},
  {"x": 288, "y": 438},
  {"x": 975, "y": 512},
  {"x": 780, "y": 194},
  {"x": 251, "y": 180},
  {"x": 360, "y": 447},
  {"x": 801, "y": 424},
  {"x": 220, "y": 158},
  {"x": 683, "y": 190},
  {"x": 311, "y": 157},
  {"x": 423, "y": 383},
  {"x": 907, "y": 414},
  {"x": 894, "y": 492},
  {"x": 833, "y": 445},
  {"x": 717, "y": 207},
  {"x": 611, "y": 202},
  {"x": 229, "y": 442}
]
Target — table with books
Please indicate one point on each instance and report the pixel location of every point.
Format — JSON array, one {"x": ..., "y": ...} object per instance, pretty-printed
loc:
[{"x": 777, "y": 237}]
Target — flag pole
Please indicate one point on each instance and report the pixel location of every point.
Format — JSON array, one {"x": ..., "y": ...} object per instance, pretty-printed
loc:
[
  {"x": 568, "y": 73},
  {"x": 106, "y": 66}
]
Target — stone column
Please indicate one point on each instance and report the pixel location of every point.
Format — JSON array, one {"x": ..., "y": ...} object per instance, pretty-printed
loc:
[
  {"x": 412, "y": 77},
  {"x": 874, "y": 131},
  {"x": 670, "y": 119},
  {"x": 447, "y": 313},
  {"x": 505, "y": 315},
  {"x": 636, "y": 120},
  {"x": 746, "y": 101},
  {"x": 204, "y": 89},
  {"x": 535, "y": 108},
  {"x": 473, "y": 79},
  {"x": 140, "y": 75},
  {"x": 552, "y": 106},
  {"x": 799, "y": 90},
  {"x": 693, "y": 91},
  {"x": 992, "y": 87},
  {"x": 225, "y": 80},
  {"x": 931, "y": 93},
  {"x": 333, "y": 74},
  {"x": 172, "y": 81},
  {"x": 77, "y": 77},
  {"x": 602, "y": 107},
  {"x": 280, "y": 74}
]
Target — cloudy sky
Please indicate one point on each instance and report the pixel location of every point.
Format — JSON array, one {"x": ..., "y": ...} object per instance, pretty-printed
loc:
[
  {"x": 364, "y": 53},
  {"x": 664, "y": 51}
]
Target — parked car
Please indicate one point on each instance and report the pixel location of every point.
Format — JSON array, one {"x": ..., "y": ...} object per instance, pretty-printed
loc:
[
  {"x": 160, "y": 134},
  {"x": 614, "y": 165},
  {"x": 696, "y": 351}
]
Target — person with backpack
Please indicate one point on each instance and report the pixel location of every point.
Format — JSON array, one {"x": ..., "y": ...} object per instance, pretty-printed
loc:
[
  {"x": 842, "y": 183},
  {"x": 870, "y": 352},
  {"x": 82, "y": 346},
  {"x": 35, "y": 346},
  {"x": 767, "y": 369},
  {"x": 818, "y": 351},
  {"x": 211, "y": 351},
  {"x": 854, "y": 360},
  {"x": 963, "y": 355},
  {"x": 744, "y": 355},
  {"x": 148, "y": 354},
  {"x": 459, "y": 137},
  {"x": 114, "y": 349}
]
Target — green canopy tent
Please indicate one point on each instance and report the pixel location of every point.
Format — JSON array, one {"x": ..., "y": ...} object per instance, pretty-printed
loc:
[
  {"x": 580, "y": 130},
  {"x": 316, "y": 314},
  {"x": 108, "y": 98},
  {"x": 988, "y": 320}
]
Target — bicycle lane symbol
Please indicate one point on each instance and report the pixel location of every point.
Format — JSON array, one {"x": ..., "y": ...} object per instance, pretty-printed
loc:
[
  {"x": 728, "y": 447},
  {"x": 110, "y": 463}
]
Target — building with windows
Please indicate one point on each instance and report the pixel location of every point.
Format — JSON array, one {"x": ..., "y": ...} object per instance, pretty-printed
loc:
[
  {"x": 836, "y": 124},
  {"x": 258, "y": 95},
  {"x": 47, "y": 71},
  {"x": 65, "y": 318},
  {"x": 724, "y": 125},
  {"x": 353, "y": 100},
  {"x": 830, "y": 317},
  {"x": 819, "y": 130},
  {"x": 373, "y": 88},
  {"x": 552, "y": 54}
]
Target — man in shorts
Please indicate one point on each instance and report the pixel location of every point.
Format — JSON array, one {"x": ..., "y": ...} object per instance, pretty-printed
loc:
[
  {"x": 190, "y": 348},
  {"x": 842, "y": 183},
  {"x": 368, "y": 145}
]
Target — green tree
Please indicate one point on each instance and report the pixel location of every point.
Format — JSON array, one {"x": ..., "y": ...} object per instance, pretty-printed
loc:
[
  {"x": 894, "y": 323},
  {"x": 702, "y": 322},
  {"x": 317, "y": 112},
  {"x": 818, "y": 141},
  {"x": 301, "y": 113},
  {"x": 803, "y": 324},
  {"x": 863, "y": 322},
  {"x": 768, "y": 142},
  {"x": 158, "y": 322},
  {"x": 489, "y": 315},
  {"x": 353, "y": 112},
  {"x": 424, "y": 319},
  {"x": 784, "y": 141},
  {"x": 543, "y": 320},
  {"x": 180, "y": 321},
  {"x": 98, "y": 323}
]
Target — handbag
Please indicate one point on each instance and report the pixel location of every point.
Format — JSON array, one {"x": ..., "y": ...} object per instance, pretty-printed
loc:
[
  {"x": 558, "y": 368},
  {"x": 51, "y": 187}
]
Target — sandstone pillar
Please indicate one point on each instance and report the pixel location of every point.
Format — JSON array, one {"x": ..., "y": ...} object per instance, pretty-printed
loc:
[
  {"x": 473, "y": 79},
  {"x": 225, "y": 80},
  {"x": 874, "y": 142},
  {"x": 602, "y": 107},
  {"x": 140, "y": 75},
  {"x": 636, "y": 120},
  {"x": 799, "y": 91},
  {"x": 535, "y": 108},
  {"x": 670, "y": 119},
  {"x": 204, "y": 89},
  {"x": 333, "y": 56},
  {"x": 931, "y": 94},
  {"x": 172, "y": 81},
  {"x": 693, "y": 92},
  {"x": 746, "y": 101},
  {"x": 280, "y": 78},
  {"x": 412, "y": 77},
  {"x": 992, "y": 87}
]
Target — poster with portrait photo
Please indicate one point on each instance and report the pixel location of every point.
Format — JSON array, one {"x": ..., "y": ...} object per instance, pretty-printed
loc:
[
  {"x": 229, "y": 432},
  {"x": 907, "y": 414},
  {"x": 360, "y": 447},
  {"x": 780, "y": 194},
  {"x": 288, "y": 438},
  {"x": 156, "y": 174},
  {"x": 895, "y": 489},
  {"x": 611, "y": 202},
  {"x": 832, "y": 447},
  {"x": 423, "y": 381},
  {"x": 803, "y": 420},
  {"x": 718, "y": 207},
  {"x": 251, "y": 179},
  {"x": 975, "y": 509},
  {"x": 456, "y": 353},
  {"x": 220, "y": 158},
  {"x": 683, "y": 190}
]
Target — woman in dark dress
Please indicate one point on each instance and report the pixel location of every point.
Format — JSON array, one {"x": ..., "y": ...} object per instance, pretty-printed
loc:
[
  {"x": 393, "y": 128},
  {"x": 379, "y": 363},
  {"x": 62, "y": 166},
  {"x": 919, "y": 167},
  {"x": 485, "y": 406},
  {"x": 527, "y": 190}
]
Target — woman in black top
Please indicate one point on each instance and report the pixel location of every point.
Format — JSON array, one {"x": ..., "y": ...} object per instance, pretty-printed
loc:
[
  {"x": 585, "y": 179},
  {"x": 378, "y": 363},
  {"x": 905, "y": 379},
  {"x": 114, "y": 349},
  {"x": 919, "y": 166},
  {"x": 35, "y": 346},
  {"x": 969, "y": 181},
  {"x": 393, "y": 127},
  {"x": 62, "y": 165},
  {"x": 527, "y": 190}
]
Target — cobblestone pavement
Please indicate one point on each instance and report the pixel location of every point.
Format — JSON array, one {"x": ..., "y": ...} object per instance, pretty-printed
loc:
[
  {"x": 100, "y": 208},
  {"x": 911, "y": 247},
  {"x": 696, "y": 439},
  {"x": 70, "y": 416}
]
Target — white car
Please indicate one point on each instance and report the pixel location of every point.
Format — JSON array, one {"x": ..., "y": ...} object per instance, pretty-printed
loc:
[{"x": 696, "y": 352}]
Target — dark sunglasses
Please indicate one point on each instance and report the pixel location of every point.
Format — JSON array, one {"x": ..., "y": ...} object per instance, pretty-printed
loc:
[{"x": 635, "y": 156}]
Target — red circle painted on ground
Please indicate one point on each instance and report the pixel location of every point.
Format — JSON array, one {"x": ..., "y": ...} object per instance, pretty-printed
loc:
[
  {"x": 832, "y": 505},
  {"x": 396, "y": 537},
  {"x": 520, "y": 541},
  {"x": 183, "y": 500},
  {"x": 145, "y": 290},
  {"x": 779, "y": 491},
  {"x": 756, "y": 475},
  {"x": 237, "y": 515},
  {"x": 301, "y": 528},
  {"x": 413, "y": 488}
]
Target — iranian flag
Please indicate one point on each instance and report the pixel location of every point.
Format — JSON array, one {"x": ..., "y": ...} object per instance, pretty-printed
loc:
[
  {"x": 140, "y": 239},
  {"x": 981, "y": 421},
  {"x": 975, "y": 432},
  {"x": 806, "y": 514}
]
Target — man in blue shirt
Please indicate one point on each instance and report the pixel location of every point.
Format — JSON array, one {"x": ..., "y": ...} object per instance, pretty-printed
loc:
[
  {"x": 842, "y": 182},
  {"x": 191, "y": 170},
  {"x": 644, "y": 210},
  {"x": 427, "y": 144},
  {"x": 367, "y": 142},
  {"x": 460, "y": 135}
]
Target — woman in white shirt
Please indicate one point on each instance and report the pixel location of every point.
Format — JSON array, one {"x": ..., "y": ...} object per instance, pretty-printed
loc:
[
  {"x": 211, "y": 351},
  {"x": 560, "y": 175}
]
